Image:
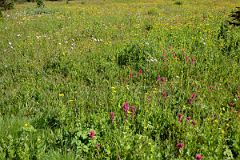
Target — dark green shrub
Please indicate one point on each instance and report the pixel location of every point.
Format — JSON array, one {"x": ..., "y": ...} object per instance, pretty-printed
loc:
[
  {"x": 135, "y": 55},
  {"x": 40, "y": 3},
  {"x": 235, "y": 17},
  {"x": 6, "y": 4},
  {"x": 178, "y": 3}
]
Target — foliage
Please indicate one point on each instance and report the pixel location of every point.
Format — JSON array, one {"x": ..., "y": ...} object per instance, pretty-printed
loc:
[
  {"x": 120, "y": 80},
  {"x": 40, "y": 3},
  {"x": 6, "y": 4}
]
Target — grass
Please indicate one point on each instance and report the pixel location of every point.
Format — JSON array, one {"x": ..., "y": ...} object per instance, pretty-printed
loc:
[{"x": 142, "y": 77}]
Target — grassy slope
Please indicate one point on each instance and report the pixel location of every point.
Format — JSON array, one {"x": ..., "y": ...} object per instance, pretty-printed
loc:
[{"x": 57, "y": 70}]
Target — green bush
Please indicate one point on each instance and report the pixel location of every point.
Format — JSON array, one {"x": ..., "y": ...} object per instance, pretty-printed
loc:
[
  {"x": 40, "y": 3},
  {"x": 6, "y": 4}
]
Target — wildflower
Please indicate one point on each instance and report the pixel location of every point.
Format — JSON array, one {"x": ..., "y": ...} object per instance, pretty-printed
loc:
[
  {"x": 194, "y": 123},
  {"x": 61, "y": 94},
  {"x": 140, "y": 72},
  {"x": 187, "y": 59},
  {"x": 130, "y": 75},
  {"x": 165, "y": 94},
  {"x": 188, "y": 118},
  {"x": 91, "y": 134},
  {"x": 125, "y": 107},
  {"x": 180, "y": 145},
  {"x": 231, "y": 104},
  {"x": 180, "y": 117},
  {"x": 133, "y": 108},
  {"x": 98, "y": 146},
  {"x": 199, "y": 157},
  {"x": 193, "y": 97},
  {"x": 112, "y": 116},
  {"x": 158, "y": 78},
  {"x": 113, "y": 89},
  {"x": 193, "y": 60}
]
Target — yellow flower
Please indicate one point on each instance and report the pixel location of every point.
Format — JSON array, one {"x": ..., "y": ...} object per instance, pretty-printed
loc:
[{"x": 61, "y": 94}]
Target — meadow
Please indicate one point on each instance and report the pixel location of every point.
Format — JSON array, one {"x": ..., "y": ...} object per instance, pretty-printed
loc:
[{"x": 120, "y": 79}]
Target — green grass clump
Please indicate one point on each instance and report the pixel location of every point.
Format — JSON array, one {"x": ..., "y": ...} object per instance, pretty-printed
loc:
[{"x": 120, "y": 80}]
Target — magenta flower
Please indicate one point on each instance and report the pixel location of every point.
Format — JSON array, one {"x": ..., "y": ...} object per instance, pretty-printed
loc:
[
  {"x": 188, "y": 118},
  {"x": 199, "y": 157},
  {"x": 91, "y": 134},
  {"x": 112, "y": 116},
  {"x": 180, "y": 145},
  {"x": 125, "y": 107},
  {"x": 158, "y": 78},
  {"x": 193, "y": 97},
  {"x": 180, "y": 117}
]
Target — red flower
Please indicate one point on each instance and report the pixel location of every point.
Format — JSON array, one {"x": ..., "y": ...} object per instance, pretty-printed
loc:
[
  {"x": 125, "y": 107},
  {"x": 140, "y": 71},
  {"x": 180, "y": 145},
  {"x": 180, "y": 117},
  {"x": 194, "y": 95},
  {"x": 130, "y": 75},
  {"x": 112, "y": 116},
  {"x": 193, "y": 60},
  {"x": 199, "y": 157},
  {"x": 165, "y": 94},
  {"x": 133, "y": 110},
  {"x": 188, "y": 118},
  {"x": 194, "y": 123},
  {"x": 91, "y": 134},
  {"x": 231, "y": 104}
]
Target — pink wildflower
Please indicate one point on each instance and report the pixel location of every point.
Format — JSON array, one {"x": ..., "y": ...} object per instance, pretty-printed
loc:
[
  {"x": 180, "y": 145},
  {"x": 125, "y": 107},
  {"x": 180, "y": 117},
  {"x": 199, "y": 157},
  {"x": 112, "y": 116},
  {"x": 91, "y": 134}
]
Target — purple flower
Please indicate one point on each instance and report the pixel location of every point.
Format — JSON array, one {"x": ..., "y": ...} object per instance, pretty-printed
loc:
[
  {"x": 188, "y": 118},
  {"x": 125, "y": 107},
  {"x": 180, "y": 117},
  {"x": 112, "y": 116},
  {"x": 158, "y": 78},
  {"x": 194, "y": 123},
  {"x": 180, "y": 145}
]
